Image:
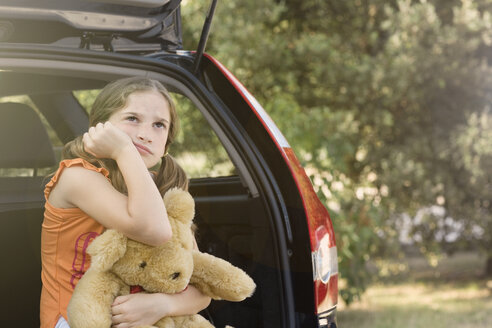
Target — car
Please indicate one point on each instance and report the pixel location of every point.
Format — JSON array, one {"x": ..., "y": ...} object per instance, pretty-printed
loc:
[{"x": 255, "y": 205}]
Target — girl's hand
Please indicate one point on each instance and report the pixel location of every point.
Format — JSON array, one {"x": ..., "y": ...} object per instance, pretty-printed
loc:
[
  {"x": 138, "y": 309},
  {"x": 106, "y": 141},
  {"x": 146, "y": 309}
]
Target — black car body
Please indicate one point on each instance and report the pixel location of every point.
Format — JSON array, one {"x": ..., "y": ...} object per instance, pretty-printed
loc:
[{"x": 255, "y": 205}]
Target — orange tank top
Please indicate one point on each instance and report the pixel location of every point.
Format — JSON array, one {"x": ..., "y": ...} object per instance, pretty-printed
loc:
[{"x": 65, "y": 235}]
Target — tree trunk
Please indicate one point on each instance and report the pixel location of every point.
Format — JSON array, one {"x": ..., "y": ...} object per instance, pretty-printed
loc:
[{"x": 488, "y": 267}]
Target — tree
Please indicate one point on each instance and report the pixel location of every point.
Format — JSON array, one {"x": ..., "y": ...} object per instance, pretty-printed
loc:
[{"x": 386, "y": 102}]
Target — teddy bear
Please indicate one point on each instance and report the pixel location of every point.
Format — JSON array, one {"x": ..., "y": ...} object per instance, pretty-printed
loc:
[{"x": 119, "y": 264}]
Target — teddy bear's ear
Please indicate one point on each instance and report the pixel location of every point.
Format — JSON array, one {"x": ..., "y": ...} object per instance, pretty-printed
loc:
[
  {"x": 180, "y": 205},
  {"x": 106, "y": 249}
]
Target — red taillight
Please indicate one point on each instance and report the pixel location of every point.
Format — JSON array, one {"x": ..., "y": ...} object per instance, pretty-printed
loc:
[
  {"x": 325, "y": 271},
  {"x": 322, "y": 236}
]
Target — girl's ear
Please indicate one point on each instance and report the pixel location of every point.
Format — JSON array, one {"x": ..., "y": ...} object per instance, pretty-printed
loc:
[{"x": 106, "y": 250}]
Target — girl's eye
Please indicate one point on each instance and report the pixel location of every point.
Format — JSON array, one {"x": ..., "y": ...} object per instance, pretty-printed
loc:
[
  {"x": 159, "y": 125},
  {"x": 131, "y": 118}
]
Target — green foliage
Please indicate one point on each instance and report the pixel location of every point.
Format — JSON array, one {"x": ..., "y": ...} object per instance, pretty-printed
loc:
[
  {"x": 86, "y": 98},
  {"x": 197, "y": 148},
  {"x": 386, "y": 102}
]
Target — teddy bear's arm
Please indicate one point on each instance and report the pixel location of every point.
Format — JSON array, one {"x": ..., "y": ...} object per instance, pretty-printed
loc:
[
  {"x": 219, "y": 279},
  {"x": 90, "y": 305}
]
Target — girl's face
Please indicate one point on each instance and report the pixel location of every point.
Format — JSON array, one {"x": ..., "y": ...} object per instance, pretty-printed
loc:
[{"x": 146, "y": 119}]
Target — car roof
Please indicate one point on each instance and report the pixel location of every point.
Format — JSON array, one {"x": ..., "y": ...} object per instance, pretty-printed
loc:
[{"x": 82, "y": 23}]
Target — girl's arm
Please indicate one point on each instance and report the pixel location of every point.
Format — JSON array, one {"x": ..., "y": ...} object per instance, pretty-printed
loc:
[
  {"x": 146, "y": 309},
  {"x": 141, "y": 215}
]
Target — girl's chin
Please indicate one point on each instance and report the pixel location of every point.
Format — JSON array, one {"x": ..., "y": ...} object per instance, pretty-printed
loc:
[{"x": 150, "y": 164}]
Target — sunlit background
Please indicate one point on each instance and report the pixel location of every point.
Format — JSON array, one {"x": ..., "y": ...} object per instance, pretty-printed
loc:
[{"x": 388, "y": 105}]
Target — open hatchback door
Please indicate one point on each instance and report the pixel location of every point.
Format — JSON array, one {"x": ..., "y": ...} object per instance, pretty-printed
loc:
[{"x": 112, "y": 25}]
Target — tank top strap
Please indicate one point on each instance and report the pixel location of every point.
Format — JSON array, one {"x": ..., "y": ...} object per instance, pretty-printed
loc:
[{"x": 68, "y": 163}]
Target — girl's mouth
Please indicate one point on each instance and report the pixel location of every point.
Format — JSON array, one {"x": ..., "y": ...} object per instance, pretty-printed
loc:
[{"x": 142, "y": 149}]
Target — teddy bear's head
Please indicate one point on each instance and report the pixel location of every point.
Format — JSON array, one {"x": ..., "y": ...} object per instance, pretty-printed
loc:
[{"x": 166, "y": 268}]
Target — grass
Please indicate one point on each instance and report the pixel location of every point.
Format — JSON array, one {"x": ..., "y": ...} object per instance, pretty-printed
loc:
[{"x": 451, "y": 294}]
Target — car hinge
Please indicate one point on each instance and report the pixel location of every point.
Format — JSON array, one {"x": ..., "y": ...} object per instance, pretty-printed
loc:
[{"x": 90, "y": 38}]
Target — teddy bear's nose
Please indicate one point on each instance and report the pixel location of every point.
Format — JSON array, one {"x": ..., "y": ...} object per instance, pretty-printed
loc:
[
  {"x": 175, "y": 275},
  {"x": 143, "y": 264}
]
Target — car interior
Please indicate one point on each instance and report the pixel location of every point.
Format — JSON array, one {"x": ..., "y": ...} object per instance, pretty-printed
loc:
[
  {"x": 44, "y": 107},
  {"x": 21, "y": 212}
]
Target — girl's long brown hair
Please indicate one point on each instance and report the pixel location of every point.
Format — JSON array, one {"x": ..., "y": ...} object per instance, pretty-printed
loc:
[{"x": 112, "y": 98}]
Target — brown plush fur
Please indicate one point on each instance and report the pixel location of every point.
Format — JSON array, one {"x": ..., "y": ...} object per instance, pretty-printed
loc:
[{"x": 118, "y": 263}]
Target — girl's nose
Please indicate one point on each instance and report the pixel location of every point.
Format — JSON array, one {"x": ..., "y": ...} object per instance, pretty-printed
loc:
[{"x": 143, "y": 136}]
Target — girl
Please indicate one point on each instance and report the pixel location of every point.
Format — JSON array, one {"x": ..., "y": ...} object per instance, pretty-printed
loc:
[{"x": 104, "y": 182}]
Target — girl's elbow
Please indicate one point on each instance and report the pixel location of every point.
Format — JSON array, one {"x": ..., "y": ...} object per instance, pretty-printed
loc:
[
  {"x": 206, "y": 302},
  {"x": 166, "y": 236}
]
